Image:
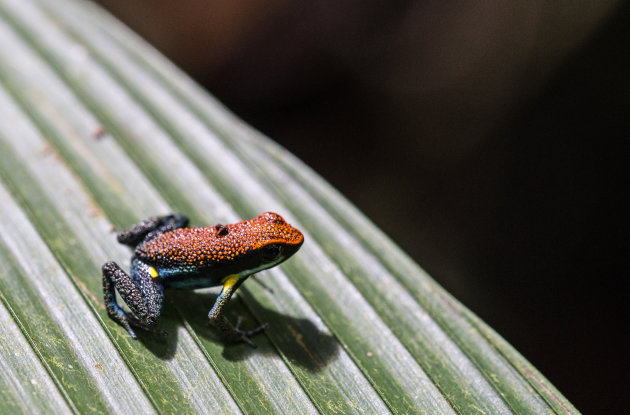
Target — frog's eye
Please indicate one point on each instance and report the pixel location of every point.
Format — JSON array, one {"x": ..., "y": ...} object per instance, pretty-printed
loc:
[{"x": 270, "y": 252}]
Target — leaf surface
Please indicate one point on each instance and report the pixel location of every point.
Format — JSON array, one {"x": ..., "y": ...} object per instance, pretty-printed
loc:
[{"x": 98, "y": 131}]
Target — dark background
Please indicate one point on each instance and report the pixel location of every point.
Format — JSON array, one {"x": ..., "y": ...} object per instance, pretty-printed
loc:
[{"x": 490, "y": 141}]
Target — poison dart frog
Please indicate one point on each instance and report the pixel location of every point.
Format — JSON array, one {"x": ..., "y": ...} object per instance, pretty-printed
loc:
[{"x": 170, "y": 255}]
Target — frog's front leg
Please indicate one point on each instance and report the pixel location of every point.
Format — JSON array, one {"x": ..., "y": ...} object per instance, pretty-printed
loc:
[
  {"x": 218, "y": 320},
  {"x": 142, "y": 292}
]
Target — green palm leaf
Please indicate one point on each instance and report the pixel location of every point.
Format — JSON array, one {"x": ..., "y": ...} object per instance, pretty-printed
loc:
[{"x": 99, "y": 131}]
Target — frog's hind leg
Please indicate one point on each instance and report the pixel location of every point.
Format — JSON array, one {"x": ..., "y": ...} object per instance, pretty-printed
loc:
[
  {"x": 150, "y": 228},
  {"x": 142, "y": 294}
]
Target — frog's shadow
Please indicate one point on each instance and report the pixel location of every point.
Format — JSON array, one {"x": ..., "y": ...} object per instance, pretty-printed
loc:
[{"x": 297, "y": 339}]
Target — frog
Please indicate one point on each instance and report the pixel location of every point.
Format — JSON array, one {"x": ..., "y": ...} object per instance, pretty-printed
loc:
[{"x": 168, "y": 254}]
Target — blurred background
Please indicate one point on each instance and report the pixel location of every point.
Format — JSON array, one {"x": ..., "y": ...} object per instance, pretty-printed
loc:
[{"x": 488, "y": 139}]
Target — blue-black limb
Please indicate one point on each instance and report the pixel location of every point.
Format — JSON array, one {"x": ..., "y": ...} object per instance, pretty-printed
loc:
[
  {"x": 150, "y": 228},
  {"x": 218, "y": 320},
  {"x": 143, "y": 296}
]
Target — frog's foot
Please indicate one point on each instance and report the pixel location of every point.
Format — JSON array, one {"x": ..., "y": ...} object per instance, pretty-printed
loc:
[
  {"x": 244, "y": 335},
  {"x": 139, "y": 324},
  {"x": 128, "y": 321},
  {"x": 121, "y": 317}
]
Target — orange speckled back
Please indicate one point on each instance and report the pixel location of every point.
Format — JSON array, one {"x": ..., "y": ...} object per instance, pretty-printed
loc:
[{"x": 204, "y": 247}]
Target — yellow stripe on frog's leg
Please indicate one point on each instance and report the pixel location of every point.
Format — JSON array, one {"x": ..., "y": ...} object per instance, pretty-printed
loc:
[
  {"x": 218, "y": 320},
  {"x": 229, "y": 281},
  {"x": 153, "y": 272}
]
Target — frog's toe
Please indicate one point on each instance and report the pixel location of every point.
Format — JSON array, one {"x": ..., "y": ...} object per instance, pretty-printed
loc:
[
  {"x": 125, "y": 320},
  {"x": 244, "y": 335},
  {"x": 247, "y": 340},
  {"x": 136, "y": 322},
  {"x": 130, "y": 330}
]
